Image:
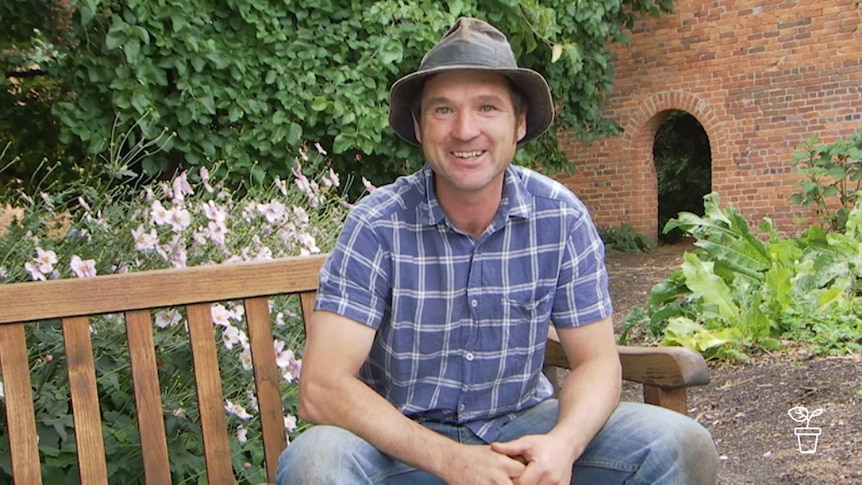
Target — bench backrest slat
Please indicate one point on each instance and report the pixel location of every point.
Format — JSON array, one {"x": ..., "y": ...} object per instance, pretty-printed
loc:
[
  {"x": 20, "y": 417},
  {"x": 266, "y": 380},
  {"x": 210, "y": 397},
  {"x": 158, "y": 288},
  {"x": 148, "y": 402},
  {"x": 85, "y": 400}
]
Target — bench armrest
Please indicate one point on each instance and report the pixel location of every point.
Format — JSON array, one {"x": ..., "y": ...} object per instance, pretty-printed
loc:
[{"x": 664, "y": 372}]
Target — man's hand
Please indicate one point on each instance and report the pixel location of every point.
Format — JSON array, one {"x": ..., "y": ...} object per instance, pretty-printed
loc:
[
  {"x": 481, "y": 465},
  {"x": 549, "y": 461}
]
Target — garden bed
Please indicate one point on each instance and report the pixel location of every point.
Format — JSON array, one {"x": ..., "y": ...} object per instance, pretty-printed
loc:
[{"x": 746, "y": 406}]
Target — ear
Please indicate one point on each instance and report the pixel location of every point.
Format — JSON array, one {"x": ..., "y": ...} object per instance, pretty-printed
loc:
[
  {"x": 417, "y": 129},
  {"x": 522, "y": 126}
]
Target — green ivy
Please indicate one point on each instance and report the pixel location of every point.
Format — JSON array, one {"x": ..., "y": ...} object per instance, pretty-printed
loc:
[{"x": 246, "y": 80}]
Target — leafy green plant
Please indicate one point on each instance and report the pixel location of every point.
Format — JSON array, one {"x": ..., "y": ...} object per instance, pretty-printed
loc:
[
  {"x": 97, "y": 226},
  {"x": 245, "y": 81},
  {"x": 626, "y": 239},
  {"x": 832, "y": 177},
  {"x": 736, "y": 293}
]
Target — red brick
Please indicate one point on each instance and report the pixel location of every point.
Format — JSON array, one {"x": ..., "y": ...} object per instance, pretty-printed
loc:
[{"x": 760, "y": 76}]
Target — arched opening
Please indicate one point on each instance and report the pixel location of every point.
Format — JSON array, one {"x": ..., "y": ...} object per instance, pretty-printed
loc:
[{"x": 683, "y": 165}]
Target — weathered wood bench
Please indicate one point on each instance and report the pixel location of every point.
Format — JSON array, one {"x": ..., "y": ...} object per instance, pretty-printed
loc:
[{"x": 665, "y": 372}]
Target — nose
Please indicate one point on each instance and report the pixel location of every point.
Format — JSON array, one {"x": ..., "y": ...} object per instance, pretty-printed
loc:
[{"x": 466, "y": 126}]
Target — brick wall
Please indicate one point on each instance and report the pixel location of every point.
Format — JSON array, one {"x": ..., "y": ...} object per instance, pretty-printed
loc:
[{"x": 760, "y": 76}]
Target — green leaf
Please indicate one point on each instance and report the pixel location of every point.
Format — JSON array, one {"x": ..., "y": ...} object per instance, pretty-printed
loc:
[
  {"x": 320, "y": 103},
  {"x": 703, "y": 282}
]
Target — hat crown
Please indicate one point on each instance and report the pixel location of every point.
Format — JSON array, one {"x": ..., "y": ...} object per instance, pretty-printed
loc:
[{"x": 471, "y": 42}]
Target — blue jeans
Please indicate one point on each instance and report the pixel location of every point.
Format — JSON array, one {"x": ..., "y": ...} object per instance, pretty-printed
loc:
[{"x": 639, "y": 444}]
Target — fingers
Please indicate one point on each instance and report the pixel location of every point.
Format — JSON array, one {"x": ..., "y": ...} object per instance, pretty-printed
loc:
[{"x": 518, "y": 449}]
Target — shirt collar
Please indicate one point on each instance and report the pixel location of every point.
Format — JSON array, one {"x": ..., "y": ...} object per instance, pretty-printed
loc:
[{"x": 515, "y": 202}]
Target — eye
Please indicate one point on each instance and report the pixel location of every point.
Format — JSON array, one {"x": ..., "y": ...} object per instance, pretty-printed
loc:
[
  {"x": 442, "y": 110},
  {"x": 487, "y": 108}
]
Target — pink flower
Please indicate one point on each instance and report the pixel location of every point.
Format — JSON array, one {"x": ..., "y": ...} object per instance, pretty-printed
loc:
[
  {"x": 300, "y": 214},
  {"x": 179, "y": 219},
  {"x": 308, "y": 241},
  {"x": 45, "y": 260},
  {"x": 205, "y": 179},
  {"x": 144, "y": 240},
  {"x": 245, "y": 358},
  {"x": 332, "y": 180},
  {"x": 242, "y": 435},
  {"x": 168, "y": 318},
  {"x": 237, "y": 410},
  {"x": 273, "y": 212},
  {"x": 35, "y": 274},
  {"x": 320, "y": 149},
  {"x": 3, "y": 273},
  {"x": 232, "y": 336},
  {"x": 290, "y": 423},
  {"x": 159, "y": 214},
  {"x": 214, "y": 212},
  {"x": 217, "y": 232},
  {"x": 282, "y": 187},
  {"x": 83, "y": 269},
  {"x": 282, "y": 357},
  {"x": 220, "y": 315},
  {"x": 368, "y": 185},
  {"x": 181, "y": 187}
]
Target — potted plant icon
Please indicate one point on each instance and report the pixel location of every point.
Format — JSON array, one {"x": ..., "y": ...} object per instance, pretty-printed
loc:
[{"x": 806, "y": 436}]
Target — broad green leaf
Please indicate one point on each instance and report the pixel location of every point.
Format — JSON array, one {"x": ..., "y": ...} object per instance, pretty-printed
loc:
[
  {"x": 320, "y": 103},
  {"x": 703, "y": 282},
  {"x": 830, "y": 296},
  {"x": 779, "y": 286}
]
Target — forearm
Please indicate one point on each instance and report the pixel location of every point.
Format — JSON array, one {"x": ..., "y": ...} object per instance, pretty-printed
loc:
[
  {"x": 350, "y": 404},
  {"x": 588, "y": 397}
]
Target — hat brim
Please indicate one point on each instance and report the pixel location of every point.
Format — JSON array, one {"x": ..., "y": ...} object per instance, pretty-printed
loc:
[{"x": 540, "y": 106}]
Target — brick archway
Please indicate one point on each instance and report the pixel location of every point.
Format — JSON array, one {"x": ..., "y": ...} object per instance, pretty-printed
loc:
[{"x": 637, "y": 141}]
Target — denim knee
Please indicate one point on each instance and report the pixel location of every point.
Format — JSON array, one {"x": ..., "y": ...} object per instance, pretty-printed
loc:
[
  {"x": 329, "y": 455},
  {"x": 319, "y": 455}
]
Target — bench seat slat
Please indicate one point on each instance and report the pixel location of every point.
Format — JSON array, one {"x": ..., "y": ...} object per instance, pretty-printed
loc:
[
  {"x": 210, "y": 397},
  {"x": 20, "y": 417},
  {"x": 85, "y": 400},
  {"x": 148, "y": 402},
  {"x": 267, "y": 380}
]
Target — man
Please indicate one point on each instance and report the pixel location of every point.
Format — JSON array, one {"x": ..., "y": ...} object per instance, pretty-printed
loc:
[{"x": 424, "y": 353}]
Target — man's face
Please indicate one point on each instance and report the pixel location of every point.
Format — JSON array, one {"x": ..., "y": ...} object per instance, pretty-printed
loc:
[{"x": 469, "y": 130}]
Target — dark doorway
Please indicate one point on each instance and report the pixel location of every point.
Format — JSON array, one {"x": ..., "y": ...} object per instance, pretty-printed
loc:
[{"x": 683, "y": 165}]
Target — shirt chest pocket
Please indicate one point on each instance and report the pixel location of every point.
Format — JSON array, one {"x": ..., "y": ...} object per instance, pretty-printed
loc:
[{"x": 525, "y": 322}]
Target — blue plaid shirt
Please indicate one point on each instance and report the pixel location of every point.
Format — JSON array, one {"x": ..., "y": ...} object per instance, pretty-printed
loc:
[{"x": 462, "y": 323}]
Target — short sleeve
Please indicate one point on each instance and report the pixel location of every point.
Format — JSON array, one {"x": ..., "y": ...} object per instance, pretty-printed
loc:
[
  {"x": 354, "y": 280},
  {"x": 582, "y": 295}
]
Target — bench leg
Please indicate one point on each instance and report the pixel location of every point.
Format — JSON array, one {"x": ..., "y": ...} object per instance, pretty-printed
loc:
[{"x": 673, "y": 399}]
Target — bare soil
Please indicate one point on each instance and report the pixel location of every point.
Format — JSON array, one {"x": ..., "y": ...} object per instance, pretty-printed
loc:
[{"x": 746, "y": 406}]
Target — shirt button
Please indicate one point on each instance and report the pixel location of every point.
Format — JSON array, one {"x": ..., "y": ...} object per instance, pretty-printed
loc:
[
  {"x": 474, "y": 303},
  {"x": 469, "y": 356},
  {"x": 462, "y": 406}
]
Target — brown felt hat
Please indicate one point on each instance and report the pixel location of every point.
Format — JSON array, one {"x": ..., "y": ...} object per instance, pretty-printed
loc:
[{"x": 472, "y": 44}]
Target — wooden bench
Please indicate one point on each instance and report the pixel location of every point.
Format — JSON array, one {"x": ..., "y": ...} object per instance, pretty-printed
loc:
[{"x": 664, "y": 372}]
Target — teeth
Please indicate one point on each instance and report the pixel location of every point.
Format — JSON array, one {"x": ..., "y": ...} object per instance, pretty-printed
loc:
[{"x": 467, "y": 154}]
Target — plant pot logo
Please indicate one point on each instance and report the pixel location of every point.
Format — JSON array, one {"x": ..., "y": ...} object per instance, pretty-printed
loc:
[{"x": 806, "y": 436}]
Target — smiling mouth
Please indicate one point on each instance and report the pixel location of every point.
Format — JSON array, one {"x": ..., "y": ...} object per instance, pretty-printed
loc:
[{"x": 468, "y": 155}]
